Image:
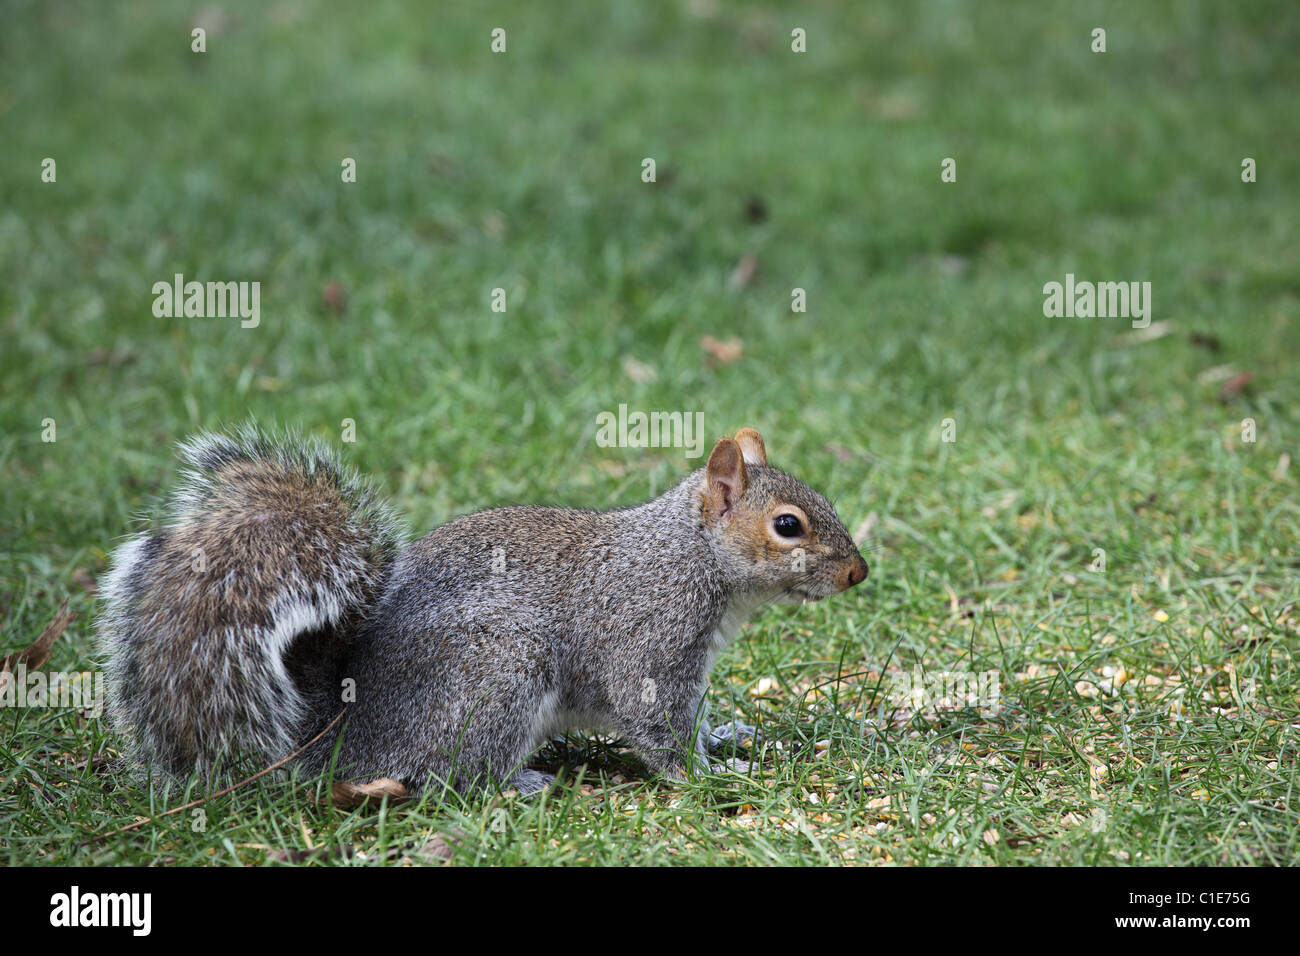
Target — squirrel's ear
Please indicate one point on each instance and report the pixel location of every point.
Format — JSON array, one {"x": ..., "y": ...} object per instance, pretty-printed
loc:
[
  {"x": 751, "y": 446},
  {"x": 725, "y": 475}
]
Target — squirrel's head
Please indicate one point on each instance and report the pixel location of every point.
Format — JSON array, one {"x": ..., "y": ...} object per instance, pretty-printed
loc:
[{"x": 775, "y": 536}]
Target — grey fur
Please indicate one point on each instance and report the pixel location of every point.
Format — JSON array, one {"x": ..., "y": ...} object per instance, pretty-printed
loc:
[
  {"x": 469, "y": 647},
  {"x": 270, "y": 548}
]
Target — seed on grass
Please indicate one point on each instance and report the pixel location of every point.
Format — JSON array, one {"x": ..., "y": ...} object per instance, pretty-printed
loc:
[
  {"x": 494, "y": 224},
  {"x": 638, "y": 372}
]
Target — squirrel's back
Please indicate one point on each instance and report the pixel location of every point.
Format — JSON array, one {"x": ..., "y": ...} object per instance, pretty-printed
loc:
[{"x": 224, "y": 630}]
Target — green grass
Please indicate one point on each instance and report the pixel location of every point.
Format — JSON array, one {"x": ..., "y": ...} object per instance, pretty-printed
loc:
[{"x": 522, "y": 171}]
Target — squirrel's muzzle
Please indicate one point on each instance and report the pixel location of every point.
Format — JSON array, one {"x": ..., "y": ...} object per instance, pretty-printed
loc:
[{"x": 855, "y": 572}]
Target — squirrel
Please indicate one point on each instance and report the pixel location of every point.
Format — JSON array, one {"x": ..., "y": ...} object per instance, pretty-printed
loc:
[{"x": 280, "y": 592}]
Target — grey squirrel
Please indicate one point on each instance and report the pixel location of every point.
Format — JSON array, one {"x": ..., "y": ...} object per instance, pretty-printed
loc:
[{"x": 281, "y": 588}]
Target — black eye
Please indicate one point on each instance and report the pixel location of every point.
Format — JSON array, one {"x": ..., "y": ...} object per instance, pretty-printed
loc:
[{"x": 788, "y": 526}]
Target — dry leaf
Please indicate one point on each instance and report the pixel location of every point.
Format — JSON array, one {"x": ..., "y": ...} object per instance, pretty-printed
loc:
[
  {"x": 334, "y": 298},
  {"x": 443, "y": 845},
  {"x": 1234, "y": 386},
  {"x": 297, "y": 855},
  {"x": 1215, "y": 373},
  {"x": 438, "y": 847},
  {"x": 34, "y": 657},
  {"x": 638, "y": 372},
  {"x": 356, "y": 794},
  {"x": 1156, "y": 330},
  {"x": 726, "y": 352},
  {"x": 745, "y": 271},
  {"x": 863, "y": 531}
]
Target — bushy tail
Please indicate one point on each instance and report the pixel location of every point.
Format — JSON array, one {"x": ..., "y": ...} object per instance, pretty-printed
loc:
[{"x": 224, "y": 631}]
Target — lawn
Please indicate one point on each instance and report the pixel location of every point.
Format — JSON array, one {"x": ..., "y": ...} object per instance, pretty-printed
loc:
[{"x": 1103, "y": 516}]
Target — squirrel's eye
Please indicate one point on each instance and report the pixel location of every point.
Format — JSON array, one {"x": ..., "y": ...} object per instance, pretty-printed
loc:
[{"x": 788, "y": 526}]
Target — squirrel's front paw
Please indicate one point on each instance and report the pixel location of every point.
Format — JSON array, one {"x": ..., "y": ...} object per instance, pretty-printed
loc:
[
  {"x": 530, "y": 781},
  {"x": 726, "y": 737},
  {"x": 694, "y": 767},
  {"x": 703, "y": 767}
]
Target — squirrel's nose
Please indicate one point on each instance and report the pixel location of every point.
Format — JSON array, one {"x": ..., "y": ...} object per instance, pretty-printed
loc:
[{"x": 857, "y": 572}]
